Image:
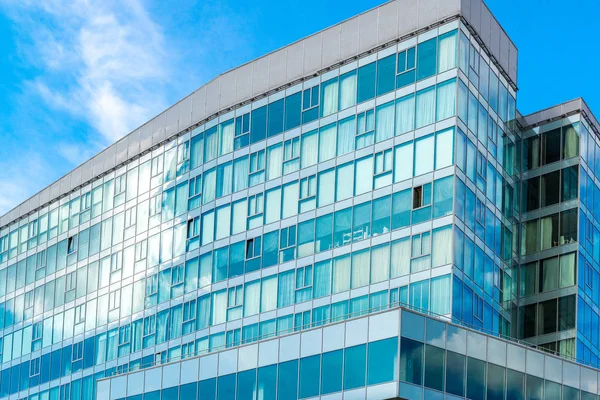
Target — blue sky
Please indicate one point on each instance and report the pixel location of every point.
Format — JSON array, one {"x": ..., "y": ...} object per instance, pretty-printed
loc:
[{"x": 76, "y": 75}]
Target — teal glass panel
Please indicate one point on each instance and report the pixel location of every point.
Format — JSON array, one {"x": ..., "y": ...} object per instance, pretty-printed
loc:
[
  {"x": 287, "y": 380},
  {"x": 515, "y": 385},
  {"x": 475, "y": 379},
  {"x": 207, "y": 389},
  {"x": 382, "y": 365},
  {"x": 355, "y": 361},
  {"x": 226, "y": 387},
  {"x": 310, "y": 372},
  {"x": 246, "y": 385},
  {"x": 267, "y": 382},
  {"x": 293, "y": 110},
  {"x": 258, "y": 124},
  {"x": 411, "y": 361},
  {"x": 455, "y": 373},
  {"x": 426, "y": 59},
  {"x": 275, "y": 118},
  {"x": 434, "y": 367},
  {"x": 331, "y": 374},
  {"x": 188, "y": 391},
  {"x": 366, "y": 82},
  {"x": 386, "y": 73}
]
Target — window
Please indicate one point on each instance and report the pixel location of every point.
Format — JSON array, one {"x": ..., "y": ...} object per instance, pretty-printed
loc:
[
  {"x": 189, "y": 316},
  {"x": 72, "y": 244},
  {"x": 310, "y": 104},
  {"x": 365, "y": 129},
  {"x": 114, "y": 300},
  {"x": 177, "y": 275},
  {"x": 426, "y": 59},
  {"x": 366, "y": 82},
  {"x": 420, "y": 253},
  {"x": 304, "y": 283},
  {"x": 183, "y": 158},
  {"x": 287, "y": 244},
  {"x": 405, "y": 71},
  {"x": 257, "y": 168},
  {"x": 253, "y": 248},
  {"x": 383, "y": 169},
  {"x": 155, "y": 205},
  {"x": 255, "y": 210},
  {"x": 385, "y": 74},
  {"x": 235, "y": 296},
  {"x": 291, "y": 155},
  {"x": 35, "y": 367},
  {"x": 242, "y": 130},
  {"x": 422, "y": 196},
  {"x": 308, "y": 190},
  {"x": 329, "y": 97},
  {"x": 447, "y": 53},
  {"x": 194, "y": 192},
  {"x": 70, "y": 281},
  {"x": 79, "y": 314},
  {"x": 193, "y": 233}
]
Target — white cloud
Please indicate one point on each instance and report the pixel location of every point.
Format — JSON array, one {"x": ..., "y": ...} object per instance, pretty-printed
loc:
[{"x": 104, "y": 62}]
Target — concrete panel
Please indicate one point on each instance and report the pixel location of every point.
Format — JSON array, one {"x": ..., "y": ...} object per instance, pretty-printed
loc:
[
  {"x": 34, "y": 202},
  {"x": 75, "y": 178},
  {"x": 513, "y": 61},
  {"x": 367, "y": 30},
  {"x": 349, "y": 38},
  {"x": 122, "y": 150},
  {"x": 277, "y": 68},
  {"x": 486, "y": 17},
  {"x": 260, "y": 76},
  {"x": 495, "y": 37},
  {"x": 65, "y": 184},
  {"x": 199, "y": 105},
  {"x": 110, "y": 157},
  {"x": 172, "y": 125},
  {"x": 503, "y": 56},
  {"x": 407, "y": 16},
  {"x": 427, "y": 12},
  {"x": 243, "y": 85},
  {"x": 295, "y": 61},
  {"x": 146, "y": 136},
  {"x": 87, "y": 171},
  {"x": 185, "y": 113},
  {"x": 98, "y": 164},
  {"x": 330, "y": 45},
  {"x": 158, "y": 128},
  {"x": 313, "y": 50},
  {"x": 447, "y": 8},
  {"x": 212, "y": 96},
  {"x": 45, "y": 196},
  {"x": 227, "y": 90},
  {"x": 387, "y": 25},
  {"x": 55, "y": 190},
  {"x": 133, "y": 144}
]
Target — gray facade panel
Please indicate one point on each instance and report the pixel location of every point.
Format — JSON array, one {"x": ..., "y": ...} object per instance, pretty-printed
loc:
[
  {"x": 427, "y": 13},
  {"x": 212, "y": 96},
  {"x": 158, "y": 128},
  {"x": 484, "y": 32},
  {"x": 447, "y": 7},
  {"x": 146, "y": 136},
  {"x": 407, "y": 16},
  {"x": 349, "y": 38},
  {"x": 198, "y": 105},
  {"x": 313, "y": 48},
  {"x": 227, "y": 90},
  {"x": 277, "y": 68},
  {"x": 110, "y": 158},
  {"x": 243, "y": 82},
  {"x": 185, "y": 113},
  {"x": 122, "y": 151},
  {"x": 76, "y": 178},
  {"x": 388, "y": 22},
  {"x": 87, "y": 170},
  {"x": 295, "y": 61},
  {"x": 504, "y": 49},
  {"x": 260, "y": 75},
  {"x": 330, "y": 46},
  {"x": 367, "y": 29},
  {"x": 513, "y": 62},
  {"x": 133, "y": 144},
  {"x": 172, "y": 126},
  {"x": 495, "y": 32}
]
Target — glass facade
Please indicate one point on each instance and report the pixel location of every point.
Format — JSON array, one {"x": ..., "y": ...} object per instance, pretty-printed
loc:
[{"x": 402, "y": 177}]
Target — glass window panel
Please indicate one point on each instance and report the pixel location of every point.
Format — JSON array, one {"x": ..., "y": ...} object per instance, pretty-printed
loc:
[
  {"x": 446, "y": 99},
  {"x": 355, "y": 361},
  {"x": 382, "y": 363},
  {"x": 426, "y": 59},
  {"x": 424, "y": 155},
  {"x": 425, "y": 107}
]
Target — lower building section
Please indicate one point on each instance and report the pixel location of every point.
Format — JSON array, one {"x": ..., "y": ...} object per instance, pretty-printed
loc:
[{"x": 393, "y": 354}]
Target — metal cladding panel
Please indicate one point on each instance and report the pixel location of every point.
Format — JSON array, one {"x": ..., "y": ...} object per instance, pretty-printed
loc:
[
  {"x": 227, "y": 90},
  {"x": 367, "y": 30},
  {"x": 513, "y": 62},
  {"x": 427, "y": 12},
  {"x": 486, "y": 17},
  {"x": 185, "y": 113},
  {"x": 55, "y": 190},
  {"x": 504, "y": 49},
  {"x": 349, "y": 38},
  {"x": 45, "y": 195},
  {"x": 212, "y": 96},
  {"x": 260, "y": 75},
  {"x": 172, "y": 125},
  {"x": 122, "y": 150},
  {"x": 133, "y": 144},
  {"x": 387, "y": 22},
  {"x": 295, "y": 61},
  {"x": 146, "y": 136},
  {"x": 476, "y": 15},
  {"x": 465, "y": 8},
  {"x": 311, "y": 59},
  {"x": 447, "y": 8},
  {"x": 407, "y": 16},
  {"x": 243, "y": 82},
  {"x": 75, "y": 178},
  {"x": 110, "y": 158},
  {"x": 65, "y": 183},
  {"x": 158, "y": 128},
  {"x": 277, "y": 68},
  {"x": 98, "y": 163},
  {"x": 495, "y": 33},
  {"x": 87, "y": 171},
  {"x": 34, "y": 202},
  {"x": 330, "y": 45},
  {"x": 199, "y": 105}
]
